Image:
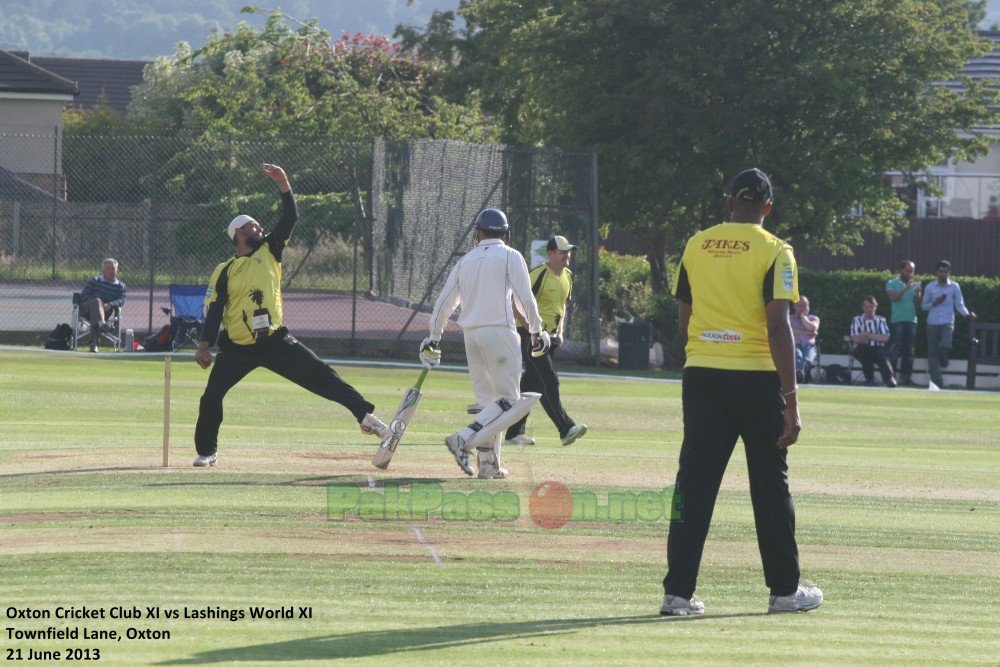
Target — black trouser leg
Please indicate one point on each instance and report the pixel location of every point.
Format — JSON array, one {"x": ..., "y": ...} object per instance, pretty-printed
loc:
[
  {"x": 872, "y": 356},
  {"x": 884, "y": 366},
  {"x": 761, "y": 423},
  {"x": 294, "y": 361},
  {"x": 231, "y": 366},
  {"x": 720, "y": 406},
  {"x": 529, "y": 382},
  {"x": 863, "y": 353},
  {"x": 540, "y": 376},
  {"x": 709, "y": 438}
]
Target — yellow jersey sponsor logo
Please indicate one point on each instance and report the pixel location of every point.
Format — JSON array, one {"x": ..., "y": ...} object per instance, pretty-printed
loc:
[{"x": 725, "y": 336}]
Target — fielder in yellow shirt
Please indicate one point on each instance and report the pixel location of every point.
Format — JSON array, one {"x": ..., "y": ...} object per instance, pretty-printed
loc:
[
  {"x": 734, "y": 286},
  {"x": 552, "y": 285},
  {"x": 244, "y": 301}
]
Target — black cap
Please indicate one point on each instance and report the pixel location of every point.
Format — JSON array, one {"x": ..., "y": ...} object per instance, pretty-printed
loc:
[{"x": 751, "y": 185}]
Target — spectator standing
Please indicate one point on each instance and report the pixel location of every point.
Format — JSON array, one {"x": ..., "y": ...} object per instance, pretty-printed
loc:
[
  {"x": 941, "y": 299},
  {"x": 904, "y": 294}
]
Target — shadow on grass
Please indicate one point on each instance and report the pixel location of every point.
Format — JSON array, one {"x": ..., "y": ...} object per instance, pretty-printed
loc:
[
  {"x": 219, "y": 480},
  {"x": 351, "y": 478},
  {"x": 388, "y": 642},
  {"x": 79, "y": 471}
]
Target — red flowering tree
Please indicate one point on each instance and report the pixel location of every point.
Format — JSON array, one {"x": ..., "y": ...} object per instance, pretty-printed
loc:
[{"x": 285, "y": 80}]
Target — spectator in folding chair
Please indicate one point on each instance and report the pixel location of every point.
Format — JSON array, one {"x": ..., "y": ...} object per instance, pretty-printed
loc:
[
  {"x": 805, "y": 326},
  {"x": 101, "y": 301},
  {"x": 869, "y": 335}
]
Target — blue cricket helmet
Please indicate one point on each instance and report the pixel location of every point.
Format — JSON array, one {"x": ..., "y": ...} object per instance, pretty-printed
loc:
[{"x": 492, "y": 219}]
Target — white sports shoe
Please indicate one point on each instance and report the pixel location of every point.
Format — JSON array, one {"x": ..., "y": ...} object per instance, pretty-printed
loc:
[
  {"x": 204, "y": 461},
  {"x": 372, "y": 425},
  {"x": 520, "y": 439},
  {"x": 455, "y": 445},
  {"x": 674, "y": 605},
  {"x": 499, "y": 473},
  {"x": 574, "y": 433},
  {"x": 807, "y": 597}
]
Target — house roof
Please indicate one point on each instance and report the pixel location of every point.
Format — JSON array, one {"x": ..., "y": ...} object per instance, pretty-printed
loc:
[
  {"x": 982, "y": 68},
  {"x": 110, "y": 81},
  {"x": 17, "y": 75},
  {"x": 14, "y": 188}
]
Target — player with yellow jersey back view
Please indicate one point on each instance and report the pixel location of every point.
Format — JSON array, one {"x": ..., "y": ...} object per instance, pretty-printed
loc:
[
  {"x": 244, "y": 301},
  {"x": 734, "y": 286}
]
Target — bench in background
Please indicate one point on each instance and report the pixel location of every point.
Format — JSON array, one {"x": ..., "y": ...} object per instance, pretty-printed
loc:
[{"x": 984, "y": 348}]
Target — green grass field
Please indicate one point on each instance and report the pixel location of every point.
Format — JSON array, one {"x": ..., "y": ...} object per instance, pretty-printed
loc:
[{"x": 897, "y": 496}]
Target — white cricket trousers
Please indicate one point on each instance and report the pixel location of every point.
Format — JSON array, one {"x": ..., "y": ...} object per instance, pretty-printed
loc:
[{"x": 494, "y": 355}]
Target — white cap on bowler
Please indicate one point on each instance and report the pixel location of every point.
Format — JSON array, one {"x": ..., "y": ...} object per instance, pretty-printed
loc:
[{"x": 236, "y": 223}]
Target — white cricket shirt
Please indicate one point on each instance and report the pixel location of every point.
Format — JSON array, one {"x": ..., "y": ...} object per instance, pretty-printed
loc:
[{"x": 482, "y": 283}]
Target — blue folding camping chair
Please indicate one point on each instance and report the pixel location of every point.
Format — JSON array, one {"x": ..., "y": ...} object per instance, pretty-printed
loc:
[{"x": 187, "y": 315}]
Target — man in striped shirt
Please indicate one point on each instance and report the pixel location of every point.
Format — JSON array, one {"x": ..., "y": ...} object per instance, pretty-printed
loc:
[
  {"x": 869, "y": 335},
  {"x": 100, "y": 297}
]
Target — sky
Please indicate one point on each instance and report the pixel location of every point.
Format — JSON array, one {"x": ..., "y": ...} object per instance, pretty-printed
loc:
[
  {"x": 389, "y": 13},
  {"x": 85, "y": 30},
  {"x": 992, "y": 13},
  {"x": 339, "y": 16}
]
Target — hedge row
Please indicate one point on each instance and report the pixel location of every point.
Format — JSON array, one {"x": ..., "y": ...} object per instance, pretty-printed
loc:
[{"x": 835, "y": 296}]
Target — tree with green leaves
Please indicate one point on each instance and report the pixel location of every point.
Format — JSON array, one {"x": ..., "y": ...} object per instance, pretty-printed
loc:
[
  {"x": 284, "y": 84},
  {"x": 680, "y": 95},
  {"x": 291, "y": 77}
]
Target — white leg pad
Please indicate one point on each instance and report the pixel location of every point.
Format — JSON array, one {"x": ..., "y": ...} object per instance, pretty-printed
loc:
[
  {"x": 496, "y": 417},
  {"x": 488, "y": 458}
]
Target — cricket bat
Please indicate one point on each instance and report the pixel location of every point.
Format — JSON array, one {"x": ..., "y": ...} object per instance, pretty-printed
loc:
[{"x": 399, "y": 423}]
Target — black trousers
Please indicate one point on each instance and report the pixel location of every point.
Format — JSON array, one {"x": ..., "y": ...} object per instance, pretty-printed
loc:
[
  {"x": 284, "y": 355},
  {"x": 540, "y": 376},
  {"x": 721, "y": 406},
  {"x": 871, "y": 356}
]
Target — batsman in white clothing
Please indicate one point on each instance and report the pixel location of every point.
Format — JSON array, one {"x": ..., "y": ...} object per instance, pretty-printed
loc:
[{"x": 483, "y": 283}]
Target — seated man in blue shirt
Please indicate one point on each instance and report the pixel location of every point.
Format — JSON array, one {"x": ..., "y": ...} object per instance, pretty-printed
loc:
[{"x": 99, "y": 298}]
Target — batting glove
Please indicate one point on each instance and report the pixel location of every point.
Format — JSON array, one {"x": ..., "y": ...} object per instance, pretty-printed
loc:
[
  {"x": 430, "y": 355},
  {"x": 540, "y": 343}
]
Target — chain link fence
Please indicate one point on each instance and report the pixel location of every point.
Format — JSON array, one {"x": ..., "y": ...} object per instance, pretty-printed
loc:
[{"x": 380, "y": 226}]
